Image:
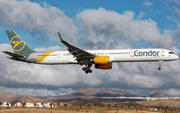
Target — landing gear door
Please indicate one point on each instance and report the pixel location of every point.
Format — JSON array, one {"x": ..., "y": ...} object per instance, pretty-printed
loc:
[
  {"x": 162, "y": 53},
  {"x": 132, "y": 53}
]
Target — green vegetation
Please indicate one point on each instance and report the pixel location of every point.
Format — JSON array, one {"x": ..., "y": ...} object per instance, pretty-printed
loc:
[
  {"x": 122, "y": 105},
  {"x": 167, "y": 107},
  {"x": 35, "y": 105},
  {"x": 58, "y": 104},
  {"x": 65, "y": 105},
  {"x": 89, "y": 105},
  {"x": 7, "y": 104},
  {"x": 95, "y": 104},
  {"x": 42, "y": 104}
]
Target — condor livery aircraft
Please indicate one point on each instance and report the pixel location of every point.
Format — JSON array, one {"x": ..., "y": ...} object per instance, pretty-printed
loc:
[{"x": 102, "y": 59}]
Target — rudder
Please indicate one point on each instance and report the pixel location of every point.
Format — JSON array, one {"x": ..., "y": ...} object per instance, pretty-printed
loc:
[{"x": 18, "y": 45}]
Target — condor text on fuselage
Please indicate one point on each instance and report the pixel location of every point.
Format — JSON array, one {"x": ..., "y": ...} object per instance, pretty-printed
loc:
[{"x": 146, "y": 53}]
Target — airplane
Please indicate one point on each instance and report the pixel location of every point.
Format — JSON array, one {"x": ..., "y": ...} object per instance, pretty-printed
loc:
[{"x": 102, "y": 59}]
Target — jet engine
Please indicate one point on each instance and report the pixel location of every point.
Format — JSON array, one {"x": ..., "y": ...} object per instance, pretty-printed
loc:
[
  {"x": 103, "y": 66},
  {"x": 100, "y": 60}
]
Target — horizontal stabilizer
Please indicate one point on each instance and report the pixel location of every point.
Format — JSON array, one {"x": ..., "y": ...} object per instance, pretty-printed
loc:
[{"x": 13, "y": 54}]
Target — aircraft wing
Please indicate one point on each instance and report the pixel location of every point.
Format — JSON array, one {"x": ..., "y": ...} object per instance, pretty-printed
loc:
[
  {"x": 76, "y": 52},
  {"x": 13, "y": 54}
]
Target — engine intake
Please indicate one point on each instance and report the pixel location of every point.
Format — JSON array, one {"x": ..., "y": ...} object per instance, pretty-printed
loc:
[{"x": 103, "y": 66}]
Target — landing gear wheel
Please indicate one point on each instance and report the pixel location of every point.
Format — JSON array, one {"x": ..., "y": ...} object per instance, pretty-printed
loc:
[
  {"x": 84, "y": 68},
  {"x": 159, "y": 68},
  {"x": 86, "y": 72}
]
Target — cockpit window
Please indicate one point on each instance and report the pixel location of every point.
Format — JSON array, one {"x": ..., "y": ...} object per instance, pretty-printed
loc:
[{"x": 171, "y": 53}]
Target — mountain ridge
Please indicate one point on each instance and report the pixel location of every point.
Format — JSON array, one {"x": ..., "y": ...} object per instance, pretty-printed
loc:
[
  {"x": 158, "y": 94},
  {"x": 84, "y": 92}
]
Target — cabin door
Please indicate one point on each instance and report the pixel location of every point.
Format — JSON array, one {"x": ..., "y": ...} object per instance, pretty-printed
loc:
[
  {"x": 132, "y": 53},
  {"x": 162, "y": 53}
]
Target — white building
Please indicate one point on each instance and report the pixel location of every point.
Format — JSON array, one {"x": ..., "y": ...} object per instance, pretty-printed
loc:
[
  {"x": 29, "y": 104},
  {"x": 5, "y": 104},
  {"x": 39, "y": 105},
  {"x": 48, "y": 105},
  {"x": 18, "y": 104}
]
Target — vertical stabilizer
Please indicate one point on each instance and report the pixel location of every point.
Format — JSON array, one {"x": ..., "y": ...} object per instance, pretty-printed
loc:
[{"x": 18, "y": 45}]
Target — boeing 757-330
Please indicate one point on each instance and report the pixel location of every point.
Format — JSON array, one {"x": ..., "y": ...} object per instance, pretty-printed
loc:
[{"x": 102, "y": 59}]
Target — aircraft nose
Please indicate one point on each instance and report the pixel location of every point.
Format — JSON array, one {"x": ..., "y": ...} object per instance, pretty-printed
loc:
[{"x": 177, "y": 57}]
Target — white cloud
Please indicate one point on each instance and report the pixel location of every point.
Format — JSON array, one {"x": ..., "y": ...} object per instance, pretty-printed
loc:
[
  {"x": 36, "y": 91},
  {"x": 52, "y": 48},
  {"x": 176, "y": 1},
  {"x": 46, "y": 19},
  {"x": 172, "y": 91},
  {"x": 45, "y": 80},
  {"x": 141, "y": 15},
  {"x": 109, "y": 29},
  {"x": 147, "y": 4},
  {"x": 178, "y": 11},
  {"x": 102, "y": 30}
]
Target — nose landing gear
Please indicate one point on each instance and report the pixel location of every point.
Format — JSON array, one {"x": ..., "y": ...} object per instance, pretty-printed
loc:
[{"x": 159, "y": 68}]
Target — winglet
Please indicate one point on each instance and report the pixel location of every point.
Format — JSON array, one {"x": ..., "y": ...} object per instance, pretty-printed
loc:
[{"x": 60, "y": 37}]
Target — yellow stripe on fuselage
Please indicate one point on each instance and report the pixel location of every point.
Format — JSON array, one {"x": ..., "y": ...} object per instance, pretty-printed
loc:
[{"x": 44, "y": 56}]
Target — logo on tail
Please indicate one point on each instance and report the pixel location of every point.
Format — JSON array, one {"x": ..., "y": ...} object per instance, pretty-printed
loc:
[{"x": 17, "y": 44}]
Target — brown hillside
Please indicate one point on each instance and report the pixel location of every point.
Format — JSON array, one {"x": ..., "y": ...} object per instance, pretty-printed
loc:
[
  {"x": 4, "y": 97},
  {"x": 106, "y": 91},
  {"x": 28, "y": 100},
  {"x": 105, "y": 102},
  {"x": 159, "y": 94},
  {"x": 112, "y": 93},
  {"x": 83, "y": 91},
  {"x": 8, "y": 97},
  {"x": 76, "y": 94},
  {"x": 123, "y": 93},
  {"x": 163, "y": 103}
]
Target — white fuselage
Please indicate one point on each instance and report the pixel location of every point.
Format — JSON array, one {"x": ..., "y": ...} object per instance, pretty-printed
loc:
[{"x": 121, "y": 55}]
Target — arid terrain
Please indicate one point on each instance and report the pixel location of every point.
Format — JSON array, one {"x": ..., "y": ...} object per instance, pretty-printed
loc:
[
  {"x": 91, "y": 104},
  {"x": 85, "y": 109}
]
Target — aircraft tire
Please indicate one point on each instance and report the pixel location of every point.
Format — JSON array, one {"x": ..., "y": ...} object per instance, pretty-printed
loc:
[
  {"x": 84, "y": 68},
  {"x": 159, "y": 68}
]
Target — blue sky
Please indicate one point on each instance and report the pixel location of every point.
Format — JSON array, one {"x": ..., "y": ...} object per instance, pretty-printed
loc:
[
  {"x": 94, "y": 24},
  {"x": 157, "y": 10}
]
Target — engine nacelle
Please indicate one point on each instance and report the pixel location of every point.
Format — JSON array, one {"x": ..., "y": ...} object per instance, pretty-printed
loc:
[
  {"x": 103, "y": 66},
  {"x": 100, "y": 60}
]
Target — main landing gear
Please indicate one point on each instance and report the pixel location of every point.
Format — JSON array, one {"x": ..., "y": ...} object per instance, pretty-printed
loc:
[
  {"x": 159, "y": 68},
  {"x": 87, "y": 69}
]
